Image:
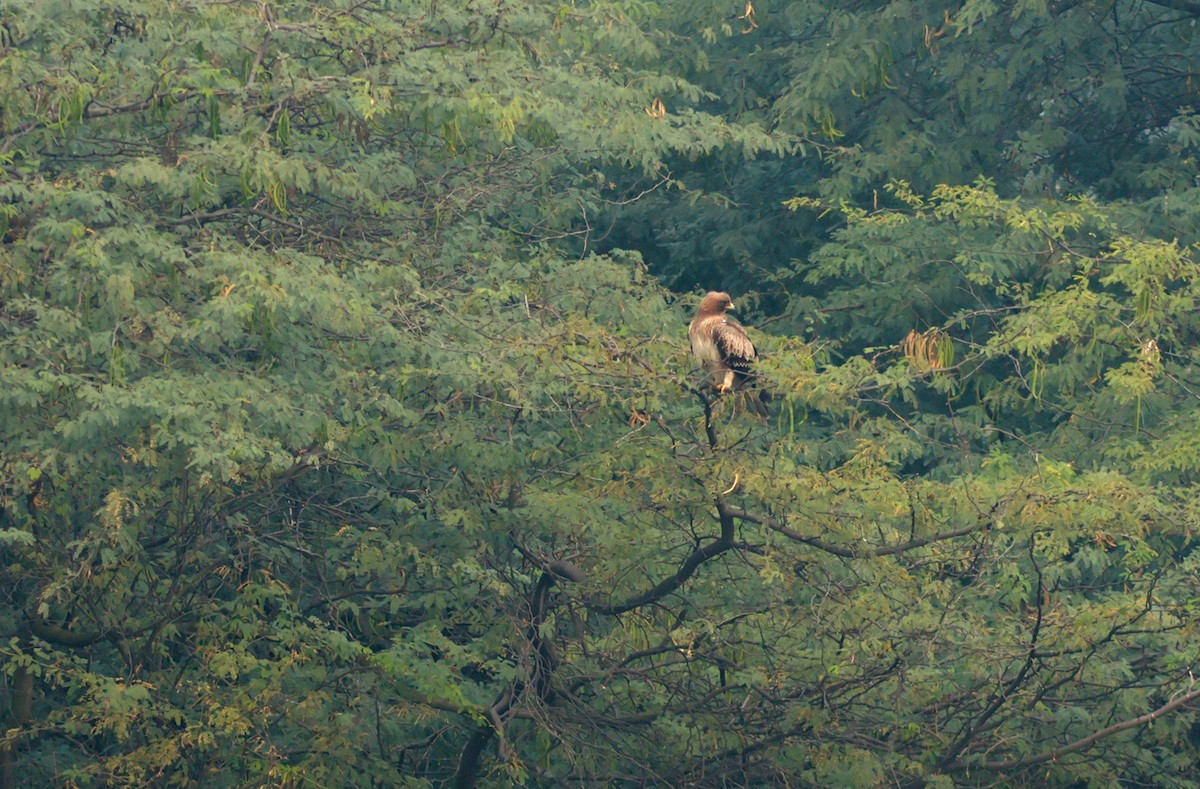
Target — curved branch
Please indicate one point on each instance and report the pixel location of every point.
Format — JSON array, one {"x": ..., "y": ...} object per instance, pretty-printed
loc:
[
  {"x": 846, "y": 553},
  {"x": 417, "y": 697},
  {"x": 1082, "y": 743},
  {"x": 998, "y": 699},
  {"x": 1189, "y": 7},
  {"x": 698, "y": 557},
  {"x": 701, "y": 554},
  {"x": 91, "y": 111},
  {"x": 64, "y": 637},
  {"x": 540, "y": 671}
]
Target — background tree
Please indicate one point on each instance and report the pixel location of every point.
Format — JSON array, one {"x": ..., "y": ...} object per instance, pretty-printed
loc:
[
  {"x": 1045, "y": 100},
  {"x": 346, "y": 441}
]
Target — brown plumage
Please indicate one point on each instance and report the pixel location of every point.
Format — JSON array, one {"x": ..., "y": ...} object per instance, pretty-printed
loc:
[{"x": 720, "y": 343}]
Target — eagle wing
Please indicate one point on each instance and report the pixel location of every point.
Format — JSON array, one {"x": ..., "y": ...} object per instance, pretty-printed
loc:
[
  {"x": 721, "y": 344},
  {"x": 733, "y": 345}
]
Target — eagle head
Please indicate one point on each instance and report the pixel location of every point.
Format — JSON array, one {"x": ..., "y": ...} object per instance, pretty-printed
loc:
[{"x": 715, "y": 303}]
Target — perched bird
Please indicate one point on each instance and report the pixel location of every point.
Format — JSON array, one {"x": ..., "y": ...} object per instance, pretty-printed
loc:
[{"x": 721, "y": 344}]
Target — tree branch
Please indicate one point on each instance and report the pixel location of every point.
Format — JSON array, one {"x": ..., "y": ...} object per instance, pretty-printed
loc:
[
  {"x": 698, "y": 557},
  {"x": 1189, "y": 7},
  {"x": 540, "y": 671},
  {"x": 1080, "y": 744},
  {"x": 846, "y": 553},
  {"x": 998, "y": 699}
]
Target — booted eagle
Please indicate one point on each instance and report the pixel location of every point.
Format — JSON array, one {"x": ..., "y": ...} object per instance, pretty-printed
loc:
[{"x": 720, "y": 343}]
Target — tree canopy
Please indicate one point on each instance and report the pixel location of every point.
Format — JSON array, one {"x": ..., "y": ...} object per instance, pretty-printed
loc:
[{"x": 349, "y": 434}]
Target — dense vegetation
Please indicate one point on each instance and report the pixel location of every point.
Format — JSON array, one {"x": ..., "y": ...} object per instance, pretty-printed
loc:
[{"x": 349, "y": 435}]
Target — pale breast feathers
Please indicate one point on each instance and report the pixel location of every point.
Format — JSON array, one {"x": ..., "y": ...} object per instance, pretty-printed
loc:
[{"x": 700, "y": 333}]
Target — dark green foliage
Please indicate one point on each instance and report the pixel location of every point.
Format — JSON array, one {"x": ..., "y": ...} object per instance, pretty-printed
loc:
[{"x": 345, "y": 441}]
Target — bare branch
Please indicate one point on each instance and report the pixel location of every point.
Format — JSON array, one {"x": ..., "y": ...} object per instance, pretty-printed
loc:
[
  {"x": 847, "y": 553},
  {"x": 1082, "y": 743},
  {"x": 698, "y": 557}
]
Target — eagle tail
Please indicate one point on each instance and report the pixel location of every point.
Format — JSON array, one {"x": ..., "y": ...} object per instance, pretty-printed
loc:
[
  {"x": 751, "y": 394},
  {"x": 756, "y": 401}
]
